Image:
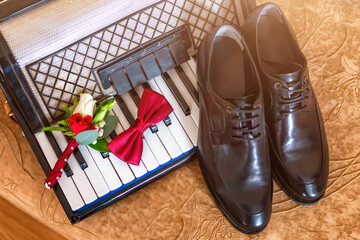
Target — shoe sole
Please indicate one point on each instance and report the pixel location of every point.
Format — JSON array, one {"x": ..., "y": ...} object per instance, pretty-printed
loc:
[
  {"x": 286, "y": 189},
  {"x": 234, "y": 223},
  {"x": 293, "y": 197}
]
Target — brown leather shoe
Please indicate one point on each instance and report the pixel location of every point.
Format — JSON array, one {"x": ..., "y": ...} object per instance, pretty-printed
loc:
[
  {"x": 298, "y": 147},
  {"x": 233, "y": 145}
]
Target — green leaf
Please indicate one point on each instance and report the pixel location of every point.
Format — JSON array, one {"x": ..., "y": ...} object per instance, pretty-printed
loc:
[
  {"x": 106, "y": 103},
  {"x": 110, "y": 124},
  {"x": 54, "y": 128},
  {"x": 67, "y": 110},
  {"x": 63, "y": 122},
  {"x": 100, "y": 146},
  {"x": 87, "y": 137},
  {"x": 74, "y": 105},
  {"x": 71, "y": 134},
  {"x": 100, "y": 116}
]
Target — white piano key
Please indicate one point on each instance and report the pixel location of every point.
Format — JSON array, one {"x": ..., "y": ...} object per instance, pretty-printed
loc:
[
  {"x": 192, "y": 65},
  {"x": 135, "y": 170},
  {"x": 66, "y": 183},
  {"x": 93, "y": 173},
  {"x": 186, "y": 121},
  {"x": 154, "y": 142},
  {"x": 187, "y": 96},
  {"x": 122, "y": 168},
  {"x": 82, "y": 182},
  {"x": 175, "y": 127},
  {"x": 164, "y": 134},
  {"x": 106, "y": 169},
  {"x": 185, "y": 66},
  {"x": 148, "y": 157}
]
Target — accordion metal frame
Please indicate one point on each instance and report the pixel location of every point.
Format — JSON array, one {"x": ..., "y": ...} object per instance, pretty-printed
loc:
[{"x": 31, "y": 118}]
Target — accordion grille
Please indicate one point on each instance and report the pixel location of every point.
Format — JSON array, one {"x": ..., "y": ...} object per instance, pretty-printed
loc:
[{"x": 61, "y": 75}]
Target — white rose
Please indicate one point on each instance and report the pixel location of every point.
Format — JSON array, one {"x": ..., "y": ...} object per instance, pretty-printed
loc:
[{"x": 86, "y": 105}]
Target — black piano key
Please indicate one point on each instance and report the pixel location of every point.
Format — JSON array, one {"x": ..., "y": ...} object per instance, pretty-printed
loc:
[
  {"x": 124, "y": 109},
  {"x": 167, "y": 120},
  {"x": 136, "y": 99},
  {"x": 58, "y": 152},
  {"x": 179, "y": 52},
  {"x": 135, "y": 74},
  {"x": 190, "y": 87},
  {"x": 79, "y": 157},
  {"x": 146, "y": 85},
  {"x": 120, "y": 81},
  {"x": 150, "y": 66},
  {"x": 175, "y": 91},
  {"x": 113, "y": 134},
  {"x": 104, "y": 154},
  {"x": 165, "y": 59}
]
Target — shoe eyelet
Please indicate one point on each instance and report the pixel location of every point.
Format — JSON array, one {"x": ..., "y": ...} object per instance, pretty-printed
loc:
[
  {"x": 306, "y": 80},
  {"x": 278, "y": 85},
  {"x": 229, "y": 109}
]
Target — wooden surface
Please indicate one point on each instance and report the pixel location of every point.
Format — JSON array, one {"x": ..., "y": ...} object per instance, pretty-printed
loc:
[{"x": 15, "y": 224}]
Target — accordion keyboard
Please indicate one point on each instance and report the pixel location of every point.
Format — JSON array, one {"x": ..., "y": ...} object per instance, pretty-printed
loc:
[{"x": 106, "y": 173}]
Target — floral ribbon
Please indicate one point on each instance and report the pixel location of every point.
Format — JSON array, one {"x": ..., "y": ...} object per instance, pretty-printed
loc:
[
  {"x": 128, "y": 145},
  {"x": 56, "y": 172}
]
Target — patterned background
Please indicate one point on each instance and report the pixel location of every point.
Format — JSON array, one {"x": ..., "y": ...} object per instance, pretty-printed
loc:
[{"x": 179, "y": 206}]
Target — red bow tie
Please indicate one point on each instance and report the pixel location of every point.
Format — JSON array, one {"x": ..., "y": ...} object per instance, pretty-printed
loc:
[{"x": 128, "y": 145}]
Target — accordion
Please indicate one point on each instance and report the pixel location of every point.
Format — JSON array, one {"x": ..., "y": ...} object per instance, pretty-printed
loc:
[{"x": 51, "y": 51}]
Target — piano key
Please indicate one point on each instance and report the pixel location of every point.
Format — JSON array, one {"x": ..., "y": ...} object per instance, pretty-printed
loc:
[
  {"x": 124, "y": 109},
  {"x": 66, "y": 183},
  {"x": 175, "y": 91},
  {"x": 189, "y": 86},
  {"x": 78, "y": 156},
  {"x": 95, "y": 177},
  {"x": 153, "y": 140},
  {"x": 106, "y": 169},
  {"x": 179, "y": 52},
  {"x": 148, "y": 157},
  {"x": 194, "y": 108},
  {"x": 192, "y": 64},
  {"x": 165, "y": 59},
  {"x": 150, "y": 66},
  {"x": 135, "y": 74},
  {"x": 58, "y": 152},
  {"x": 136, "y": 99},
  {"x": 191, "y": 75},
  {"x": 164, "y": 134},
  {"x": 122, "y": 168},
  {"x": 80, "y": 179},
  {"x": 187, "y": 122},
  {"x": 127, "y": 172},
  {"x": 104, "y": 154},
  {"x": 120, "y": 81},
  {"x": 167, "y": 120},
  {"x": 113, "y": 134}
]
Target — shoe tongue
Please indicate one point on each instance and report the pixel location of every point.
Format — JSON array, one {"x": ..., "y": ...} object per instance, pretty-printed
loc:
[
  {"x": 242, "y": 101},
  {"x": 290, "y": 73}
]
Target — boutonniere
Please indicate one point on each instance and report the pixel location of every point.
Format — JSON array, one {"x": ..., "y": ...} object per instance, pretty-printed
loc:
[{"x": 85, "y": 124}]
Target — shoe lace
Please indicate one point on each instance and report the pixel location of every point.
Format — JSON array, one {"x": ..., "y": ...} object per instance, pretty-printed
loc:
[
  {"x": 297, "y": 93},
  {"x": 244, "y": 121}
]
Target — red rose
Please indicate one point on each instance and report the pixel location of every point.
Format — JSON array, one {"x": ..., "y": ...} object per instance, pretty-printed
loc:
[{"x": 79, "y": 124}]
